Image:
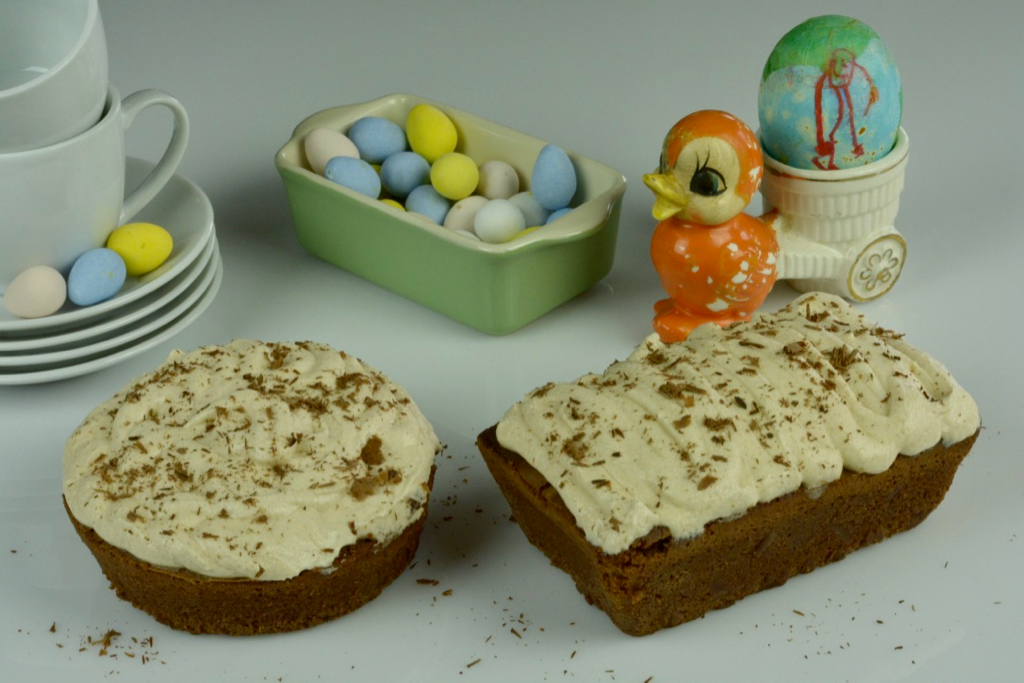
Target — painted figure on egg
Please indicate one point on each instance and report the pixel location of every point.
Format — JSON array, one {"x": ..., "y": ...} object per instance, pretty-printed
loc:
[
  {"x": 716, "y": 263},
  {"x": 837, "y": 76}
]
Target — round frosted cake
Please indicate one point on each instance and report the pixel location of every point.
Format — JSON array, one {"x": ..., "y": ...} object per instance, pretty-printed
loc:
[{"x": 253, "y": 487}]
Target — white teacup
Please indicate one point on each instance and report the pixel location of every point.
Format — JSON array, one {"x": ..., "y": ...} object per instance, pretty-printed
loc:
[
  {"x": 62, "y": 200},
  {"x": 53, "y": 71}
]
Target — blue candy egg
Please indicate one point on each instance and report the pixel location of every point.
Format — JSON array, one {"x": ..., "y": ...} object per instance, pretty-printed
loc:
[
  {"x": 553, "y": 181},
  {"x": 96, "y": 276},
  {"x": 355, "y": 174},
  {"x": 555, "y": 215},
  {"x": 376, "y": 138},
  {"x": 403, "y": 172},
  {"x": 428, "y": 202},
  {"x": 534, "y": 213}
]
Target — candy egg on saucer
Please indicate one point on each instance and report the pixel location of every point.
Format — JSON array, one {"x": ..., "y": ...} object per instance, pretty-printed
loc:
[
  {"x": 376, "y": 138},
  {"x": 460, "y": 216},
  {"x": 355, "y": 174},
  {"x": 36, "y": 292},
  {"x": 427, "y": 202},
  {"x": 96, "y": 276},
  {"x": 323, "y": 144},
  {"x": 534, "y": 213},
  {"x": 403, "y": 172},
  {"x": 497, "y": 221},
  {"x": 553, "y": 180},
  {"x": 498, "y": 180},
  {"x": 143, "y": 246},
  {"x": 430, "y": 132}
]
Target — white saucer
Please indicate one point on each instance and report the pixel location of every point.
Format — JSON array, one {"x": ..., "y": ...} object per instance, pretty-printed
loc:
[
  {"x": 158, "y": 318},
  {"x": 119, "y": 318},
  {"x": 181, "y": 208},
  {"x": 58, "y": 371}
]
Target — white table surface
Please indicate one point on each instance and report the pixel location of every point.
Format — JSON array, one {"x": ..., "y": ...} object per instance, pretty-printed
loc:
[{"x": 942, "y": 602}]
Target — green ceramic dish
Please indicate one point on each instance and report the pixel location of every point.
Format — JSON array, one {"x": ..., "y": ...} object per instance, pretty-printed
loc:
[{"x": 495, "y": 288}]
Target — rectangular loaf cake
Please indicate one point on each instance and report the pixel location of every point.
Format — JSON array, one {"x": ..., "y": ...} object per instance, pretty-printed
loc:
[{"x": 693, "y": 474}]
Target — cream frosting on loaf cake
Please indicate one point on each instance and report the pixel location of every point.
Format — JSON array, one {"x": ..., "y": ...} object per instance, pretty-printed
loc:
[
  {"x": 681, "y": 435},
  {"x": 251, "y": 460}
]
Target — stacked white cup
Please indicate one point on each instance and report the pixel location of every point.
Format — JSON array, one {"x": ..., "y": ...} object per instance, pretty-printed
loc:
[{"x": 62, "y": 127}]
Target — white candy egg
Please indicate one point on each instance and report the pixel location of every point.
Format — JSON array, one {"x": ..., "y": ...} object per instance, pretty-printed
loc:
[
  {"x": 323, "y": 144},
  {"x": 497, "y": 221},
  {"x": 534, "y": 213},
  {"x": 461, "y": 215},
  {"x": 498, "y": 180},
  {"x": 36, "y": 292}
]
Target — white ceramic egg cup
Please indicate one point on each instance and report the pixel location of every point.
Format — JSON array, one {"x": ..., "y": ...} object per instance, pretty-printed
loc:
[{"x": 835, "y": 228}]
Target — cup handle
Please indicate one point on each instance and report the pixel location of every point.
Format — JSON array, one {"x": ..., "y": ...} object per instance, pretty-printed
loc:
[{"x": 164, "y": 169}]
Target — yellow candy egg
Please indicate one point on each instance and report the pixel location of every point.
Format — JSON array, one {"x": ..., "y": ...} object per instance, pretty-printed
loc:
[
  {"x": 454, "y": 176},
  {"x": 393, "y": 204},
  {"x": 430, "y": 132},
  {"x": 143, "y": 246}
]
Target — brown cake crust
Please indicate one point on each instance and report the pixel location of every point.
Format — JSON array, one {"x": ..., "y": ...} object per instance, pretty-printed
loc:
[
  {"x": 660, "y": 582},
  {"x": 191, "y": 602}
]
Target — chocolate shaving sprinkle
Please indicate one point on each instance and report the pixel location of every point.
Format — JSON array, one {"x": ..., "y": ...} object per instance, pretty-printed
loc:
[
  {"x": 794, "y": 348},
  {"x": 371, "y": 453},
  {"x": 718, "y": 424},
  {"x": 707, "y": 481},
  {"x": 678, "y": 390},
  {"x": 842, "y": 358}
]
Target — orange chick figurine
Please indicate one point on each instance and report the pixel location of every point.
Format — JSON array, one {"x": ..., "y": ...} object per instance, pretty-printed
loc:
[{"x": 716, "y": 262}]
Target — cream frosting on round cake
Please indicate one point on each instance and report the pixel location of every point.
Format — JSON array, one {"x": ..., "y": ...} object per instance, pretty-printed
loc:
[
  {"x": 679, "y": 435},
  {"x": 251, "y": 460}
]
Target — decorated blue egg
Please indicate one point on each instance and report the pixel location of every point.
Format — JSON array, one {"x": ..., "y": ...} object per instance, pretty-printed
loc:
[
  {"x": 830, "y": 96},
  {"x": 428, "y": 202},
  {"x": 96, "y": 276},
  {"x": 403, "y": 172},
  {"x": 376, "y": 138},
  {"x": 355, "y": 174},
  {"x": 553, "y": 180}
]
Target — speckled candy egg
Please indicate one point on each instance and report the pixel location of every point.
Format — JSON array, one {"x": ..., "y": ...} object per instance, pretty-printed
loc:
[
  {"x": 497, "y": 221},
  {"x": 830, "y": 96},
  {"x": 430, "y": 132},
  {"x": 355, "y": 174},
  {"x": 460, "y": 217},
  {"x": 376, "y": 138},
  {"x": 96, "y": 276},
  {"x": 323, "y": 144},
  {"x": 498, "y": 180},
  {"x": 426, "y": 202},
  {"x": 143, "y": 246},
  {"x": 454, "y": 176},
  {"x": 403, "y": 172},
  {"x": 553, "y": 180},
  {"x": 36, "y": 292},
  {"x": 534, "y": 213}
]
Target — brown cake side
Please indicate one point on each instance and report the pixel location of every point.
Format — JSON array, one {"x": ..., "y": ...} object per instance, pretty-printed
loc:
[
  {"x": 660, "y": 582},
  {"x": 191, "y": 602}
]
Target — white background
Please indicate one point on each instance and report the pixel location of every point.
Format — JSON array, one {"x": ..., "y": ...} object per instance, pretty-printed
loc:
[{"x": 942, "y": 602}]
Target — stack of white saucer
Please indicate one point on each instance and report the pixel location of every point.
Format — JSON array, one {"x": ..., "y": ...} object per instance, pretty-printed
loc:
[
  {"x": 148, "y": 309},
  {"x": 63, "y": 179}
]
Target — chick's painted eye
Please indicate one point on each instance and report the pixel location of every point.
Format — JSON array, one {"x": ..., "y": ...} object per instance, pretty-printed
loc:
[{"x": 707, "y": 182}]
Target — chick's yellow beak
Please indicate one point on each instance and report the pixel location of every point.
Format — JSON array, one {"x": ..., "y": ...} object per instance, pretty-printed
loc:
[{"x": 669, "y": 196}]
